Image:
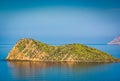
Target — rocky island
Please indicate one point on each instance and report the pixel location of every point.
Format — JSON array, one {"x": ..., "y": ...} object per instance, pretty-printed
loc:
[
  {"x": 115, "y": 41},
  {"x": 32, "y": 50}
]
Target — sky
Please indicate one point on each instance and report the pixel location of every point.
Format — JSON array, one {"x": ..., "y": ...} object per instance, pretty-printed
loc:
[{"x": 59, "y": 21}]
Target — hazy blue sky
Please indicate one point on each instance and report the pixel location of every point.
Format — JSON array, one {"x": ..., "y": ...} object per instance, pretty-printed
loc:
[{"x": 59, "y": 21}]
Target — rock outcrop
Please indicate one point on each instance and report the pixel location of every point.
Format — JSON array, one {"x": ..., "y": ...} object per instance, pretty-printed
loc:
[{"x": 32, "y": 50}]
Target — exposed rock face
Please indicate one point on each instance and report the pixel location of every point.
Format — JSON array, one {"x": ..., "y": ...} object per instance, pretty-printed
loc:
[
  {"x": 32, "y": 50},
  {"x": 115, "y": 41}
]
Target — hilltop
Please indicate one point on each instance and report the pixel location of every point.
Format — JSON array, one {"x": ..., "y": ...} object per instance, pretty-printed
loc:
[{"x": 32, "y": 50}]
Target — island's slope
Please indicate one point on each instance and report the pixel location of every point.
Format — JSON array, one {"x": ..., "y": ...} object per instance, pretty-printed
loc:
[
  {"x": 115, "y": 41},
  {"x": 32, "y": 50}
]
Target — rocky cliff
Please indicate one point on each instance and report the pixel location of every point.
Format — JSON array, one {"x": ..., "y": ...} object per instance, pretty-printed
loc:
[{"x": 32, "y": 50}]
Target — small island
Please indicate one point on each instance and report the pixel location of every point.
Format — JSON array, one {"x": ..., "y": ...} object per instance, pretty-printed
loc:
[{"x": 33, "y": 50}]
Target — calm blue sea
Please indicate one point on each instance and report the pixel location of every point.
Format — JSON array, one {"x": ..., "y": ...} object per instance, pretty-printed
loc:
[{"x": 47, "y": 71}]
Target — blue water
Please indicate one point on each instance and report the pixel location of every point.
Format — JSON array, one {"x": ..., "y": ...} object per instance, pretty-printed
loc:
[{"x": 66, "y": 71}]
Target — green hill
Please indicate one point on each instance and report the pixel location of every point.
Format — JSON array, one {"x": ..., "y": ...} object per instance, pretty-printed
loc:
[{"x": 32, "y": 50}]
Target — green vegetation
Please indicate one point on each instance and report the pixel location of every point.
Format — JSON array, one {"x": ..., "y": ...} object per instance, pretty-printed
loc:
[
  {"x": 33, "y": 49},
  {"x": 21, "y": 45}
]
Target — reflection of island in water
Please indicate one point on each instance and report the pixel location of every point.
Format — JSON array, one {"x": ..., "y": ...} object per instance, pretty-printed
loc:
[{"x": 43, "y": 70}]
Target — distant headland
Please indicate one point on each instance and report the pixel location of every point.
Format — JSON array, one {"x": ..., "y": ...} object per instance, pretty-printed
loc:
[
  {"x": 32, "y": 50},
  {"x": 115, "y": 41}
]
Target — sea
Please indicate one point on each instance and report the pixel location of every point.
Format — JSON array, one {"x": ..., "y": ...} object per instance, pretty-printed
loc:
[{"x": 64, "y": 71}]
